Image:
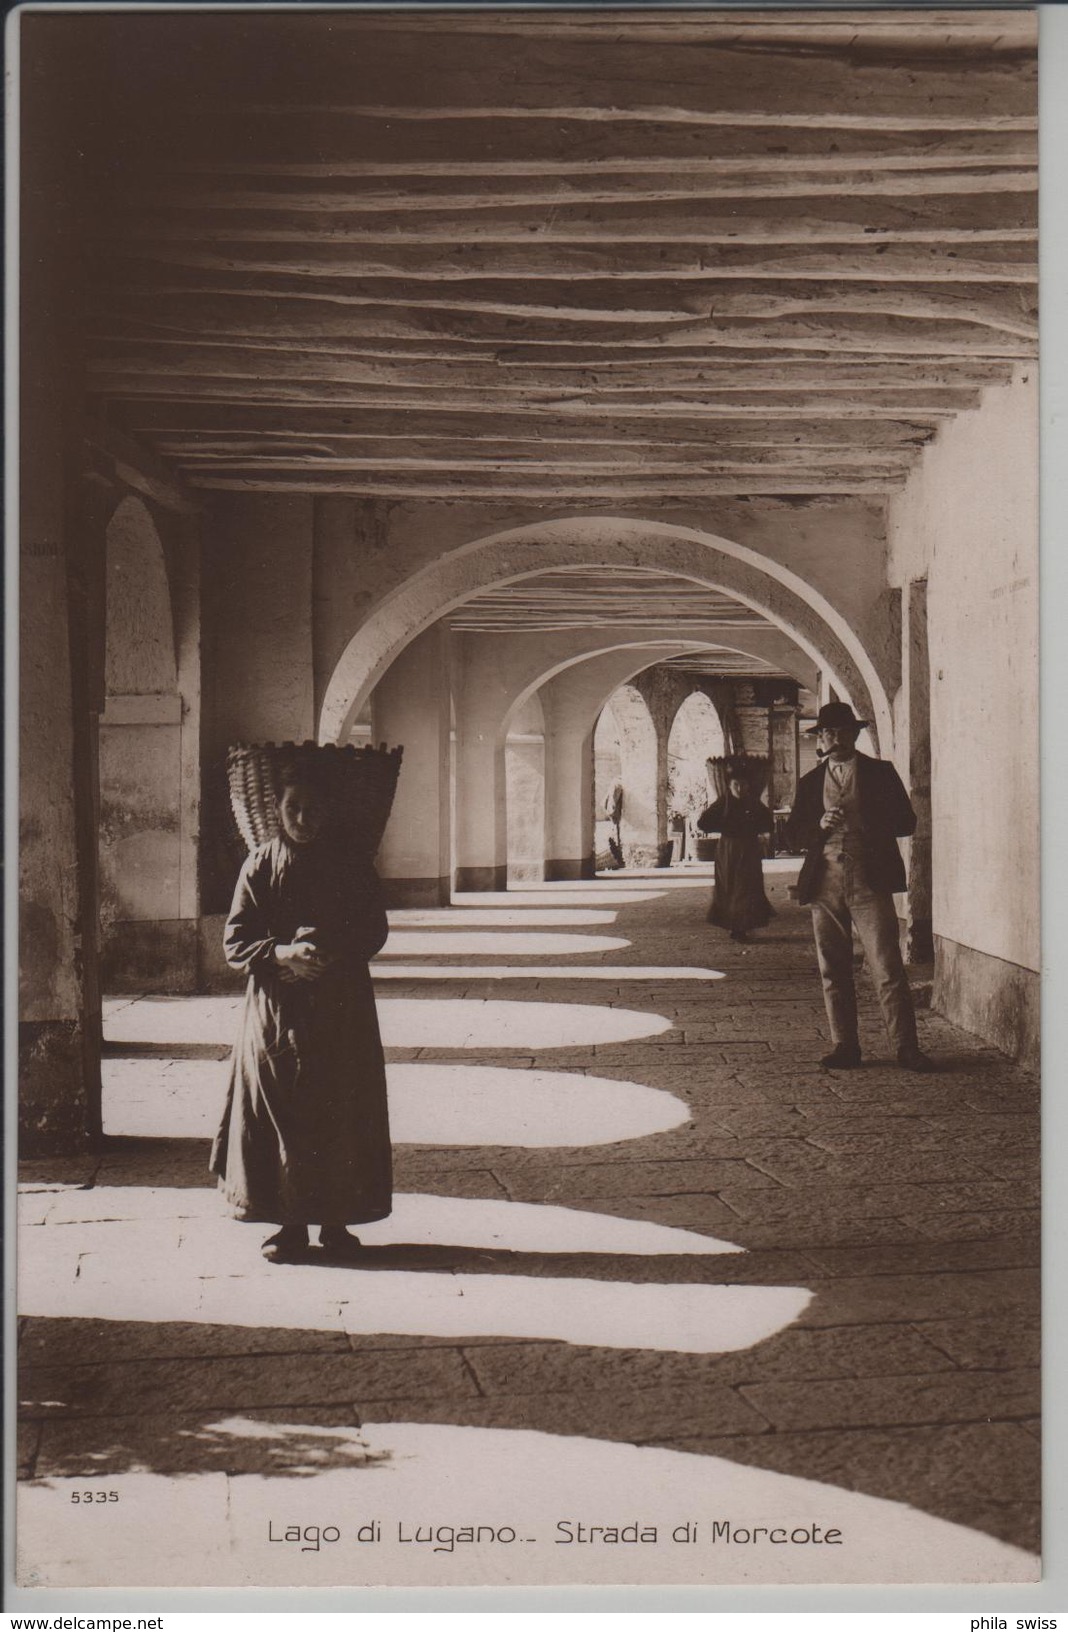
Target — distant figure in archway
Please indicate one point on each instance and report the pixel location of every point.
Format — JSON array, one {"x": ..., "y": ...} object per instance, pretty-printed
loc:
[
  {"x": 849, "y": 813},
  {"x": 739, "y": 903},
  {"x": 613, "y": 809}
]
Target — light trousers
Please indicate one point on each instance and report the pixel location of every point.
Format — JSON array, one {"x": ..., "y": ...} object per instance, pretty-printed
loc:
[{"x": 846, "y": 899}]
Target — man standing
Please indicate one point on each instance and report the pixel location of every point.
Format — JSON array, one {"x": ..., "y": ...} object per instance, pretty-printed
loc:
[{"x": 847, "y": 818}]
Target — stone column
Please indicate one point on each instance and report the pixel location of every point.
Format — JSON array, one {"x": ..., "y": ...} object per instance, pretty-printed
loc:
[
  {"x": 919, "y": 941},
  {"x": 569, "y": 799},
  {"x": 61, "y": 658},
  {"x": 411, "y": 709},
  {"x": 482, "y": 706},
  {"x": 784, "y": 755}
]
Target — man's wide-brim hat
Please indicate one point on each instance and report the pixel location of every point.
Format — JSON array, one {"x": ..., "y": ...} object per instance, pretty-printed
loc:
[{"x": 836, "y": 717}]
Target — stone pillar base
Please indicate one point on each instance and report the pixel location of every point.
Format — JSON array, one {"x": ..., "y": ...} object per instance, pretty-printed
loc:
[
  {"x": 567, "y": 868},
  {"x": 997, "y": 1000},
  {"x": 55, "y": 1118},
  {"x": 416, "y": 892},
  {"x": 482, "y": 878},
  {"x": 157, "y": 955}
]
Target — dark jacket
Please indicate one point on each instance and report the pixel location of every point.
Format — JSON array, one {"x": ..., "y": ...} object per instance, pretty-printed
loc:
[{"x": 885, "y": 814}]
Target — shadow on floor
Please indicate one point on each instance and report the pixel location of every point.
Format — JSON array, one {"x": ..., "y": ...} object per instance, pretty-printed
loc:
[{"x": 109, "y": 1397}]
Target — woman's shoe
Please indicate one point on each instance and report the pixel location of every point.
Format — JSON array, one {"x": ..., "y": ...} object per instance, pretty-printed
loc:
[
  {"x": 288, "y": 1246},
  {"x": 336, "y": 1242}
]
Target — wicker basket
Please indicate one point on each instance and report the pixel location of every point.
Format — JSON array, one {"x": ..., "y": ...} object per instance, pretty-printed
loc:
[{"x": 359, "y": 784}]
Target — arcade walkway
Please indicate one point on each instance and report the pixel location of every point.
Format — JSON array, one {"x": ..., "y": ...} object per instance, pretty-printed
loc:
[{"x": 649, "y": 1263}]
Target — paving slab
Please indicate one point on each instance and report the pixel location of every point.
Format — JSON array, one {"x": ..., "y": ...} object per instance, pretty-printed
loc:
[
  {"x": 154, "y": 1387},
  {"x": 984, "y": 1344},
  {"x": 631, "y": 1417},
  {"x": 902, "y": 1207},
  {"x": 956, "y": 1467},
  {"x": 121, "y": 1341},
  {"x": 542, "y": 1368},
  {"x": 997, "y": 1293},
  {"x": 266, "y": 1441},
  {"x": 980, "y": 1226},
  {"x": 920, "y": 1257},
  {"x": 632, "y": 1179},
  {"x": 866, "y": 1402}
]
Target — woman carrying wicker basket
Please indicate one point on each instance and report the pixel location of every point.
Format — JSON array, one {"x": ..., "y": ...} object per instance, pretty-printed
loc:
[
  {"x": 305, "y": 1134},
  {"x": 740, "y": 816}
]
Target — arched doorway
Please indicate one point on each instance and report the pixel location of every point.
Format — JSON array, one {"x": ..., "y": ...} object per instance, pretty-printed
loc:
[
  {"x": 147, "y": 940},
  {"x": 628, "y": 740},
  {"x": 696, "y": 736}
]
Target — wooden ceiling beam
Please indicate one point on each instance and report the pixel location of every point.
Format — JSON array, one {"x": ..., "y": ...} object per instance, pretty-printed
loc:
[
  {"x": 185, "y": 426},
  {"x": 342, "y": 144},
  {"x": 235, "y": 318},
  {"x": 374, "y": 453},
  {"x": 992, "y": 261},
  {"x": 917, "y": 403},
  {"x": 567, "y": 491},
  {"x": 932, "y": 30},
  {"x": 631, "y": 186},
  {"x": 361, "y": 61},
  {"x": 835, "y": 219},
  {"x": 527, "y": 369},
  {"x": 867, "y": 336},
  {"x": 802, "y": 461}
]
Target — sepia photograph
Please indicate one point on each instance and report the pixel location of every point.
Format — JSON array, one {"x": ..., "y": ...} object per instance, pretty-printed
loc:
[{"x": 528, "y": 797}]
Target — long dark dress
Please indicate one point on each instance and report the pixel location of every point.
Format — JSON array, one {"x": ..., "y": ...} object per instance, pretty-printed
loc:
[
  {"x": 305, "y": 1134},
  {"x": 738, "y": 900}
]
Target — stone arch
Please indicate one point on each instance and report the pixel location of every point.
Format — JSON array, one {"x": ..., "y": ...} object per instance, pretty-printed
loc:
[
  {"x": 139, "y": 658},
  {"x": 140, "y": 757},
  {"x": 777, "y": 592}
]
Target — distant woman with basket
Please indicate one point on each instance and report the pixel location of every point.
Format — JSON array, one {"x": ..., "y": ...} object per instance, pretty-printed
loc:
[
  {"x": 739, "y": 816},
  {"x": 305, "y": 1134}
]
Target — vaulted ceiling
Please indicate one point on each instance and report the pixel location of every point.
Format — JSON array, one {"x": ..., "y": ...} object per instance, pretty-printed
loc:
[{"x": 581, "y": 258}]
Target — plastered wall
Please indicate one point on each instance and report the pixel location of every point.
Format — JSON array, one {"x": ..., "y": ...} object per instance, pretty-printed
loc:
[{"x": 968, "y": 522}]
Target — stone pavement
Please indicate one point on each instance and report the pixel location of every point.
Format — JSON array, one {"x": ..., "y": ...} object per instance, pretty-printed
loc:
[{"x": 887, "y": 1222}]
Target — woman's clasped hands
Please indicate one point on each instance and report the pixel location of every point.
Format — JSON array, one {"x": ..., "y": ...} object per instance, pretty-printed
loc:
[{"x": 302, "y": 960}]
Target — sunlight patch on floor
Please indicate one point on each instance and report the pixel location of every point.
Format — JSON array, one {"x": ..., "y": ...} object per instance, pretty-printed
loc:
[
  {"x": 418, "y": 1219},
  {"x": 102, "y": 1265},
  {"x": 112, "y": 1273},
  {"x": 531, "y": 1490},
  {"x": 548, "y": 895},
  {"x": 517, "y": 943},
  {"x": 432, "y": 1022},
  {"x": 539, "y": 971},
  {"x": 457, "y": 1022},
  {"x": 491, "y": 918},
  {"x": 491, "y": 1105},
  {"x": 428, "y": 1104}
]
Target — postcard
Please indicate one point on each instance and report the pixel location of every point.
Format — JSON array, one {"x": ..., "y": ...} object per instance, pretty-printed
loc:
[{"x": 529, "y": 799}]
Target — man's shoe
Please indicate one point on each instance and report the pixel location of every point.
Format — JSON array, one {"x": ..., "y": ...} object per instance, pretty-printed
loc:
[
  {"x": 844, "y": 1057},
  {"x": 914, "y": 1059}
]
